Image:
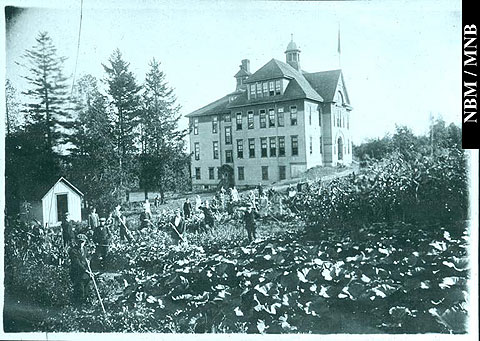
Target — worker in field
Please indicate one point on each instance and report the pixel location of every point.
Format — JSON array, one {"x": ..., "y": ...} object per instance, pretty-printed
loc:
[
  {"x": 93, "y": 219},
  {"x": 177, "y": 225},
  {"x": 79, "y": 270},
  {"x": 121, "y": 224},
  {"x": 187, "y": 208},
  {"x": 146, "y": 218},
  {"x": 67, "y": 230},
  {"x": 207, "y": 212},
  {"x": 102, "y": 237},
  {"x": 249, "y": 219}
]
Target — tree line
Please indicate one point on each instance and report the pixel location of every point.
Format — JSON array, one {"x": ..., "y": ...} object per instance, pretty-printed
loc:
[{"x": 106, "y": 136}]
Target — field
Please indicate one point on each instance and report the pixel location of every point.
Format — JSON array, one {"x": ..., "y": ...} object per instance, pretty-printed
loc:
[{"x": 382, "y": 251}]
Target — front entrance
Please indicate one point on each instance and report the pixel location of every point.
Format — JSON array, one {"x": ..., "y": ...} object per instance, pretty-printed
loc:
[
  {"x": 340, "y": 148},
  {"x": 62, "y": 205},
  {"x": 226, "y": 177}
]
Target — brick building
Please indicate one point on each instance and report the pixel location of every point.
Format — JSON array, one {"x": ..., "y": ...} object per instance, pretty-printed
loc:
[{"x": 279, "y": 122}]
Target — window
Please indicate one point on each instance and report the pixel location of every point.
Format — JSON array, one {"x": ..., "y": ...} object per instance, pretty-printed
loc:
[
  {"x": 319, "y": 116},
  {"x": 228, "y": 135},
  {"x": 265, "y": 89},
  {"x": 197, "y": 173},
  {"x": 273, "y": 146},
  {"x": 294, "y": 145},
  {"x": 311, "y": 145},
  {"x": 195, "y": 126},
  {"x": 263, "y": 119},
  {"x": 215, "y": 150},
  {"x": 239, "y": 121},
  {"x": 271, "y": 118},
  {"x": 219, "y": 173},
  {"x": 280, "y": 117},
  {"x": 271, "y": 88},
  {"x": 250, "y": 121},
  {"x": 264, "y": 172},
  {"x": 241, "y": 173},
  {"x": 259, "y": 90},
  {"x": 251, "y": 148},
  {"x": 197, "y": 151},
  {"x": 277, "y": 88},
  {"x": 310, "y": 115},
  {"x": 228, "y": 156},
  {"x": 320, "y": 146},
  {"x": 240, "y": 149},
  {"x": 252, "y": 90},
  {"x": 214, "y": 124},
  {"x": 227, "y": 118},
  {"x": 348, "y": 121},
  {"x": 281, "y": 146},
  {"x": 282, "y": 172},
  {"x": 293, "y": 116},
  {"x": 211, "y": 173},
  {"x": 263, "y": 146}
]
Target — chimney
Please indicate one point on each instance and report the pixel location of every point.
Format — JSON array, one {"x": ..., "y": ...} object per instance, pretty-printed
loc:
[
  {"x": 243, "y": 74},
  {"x": 245, "y": 65}
]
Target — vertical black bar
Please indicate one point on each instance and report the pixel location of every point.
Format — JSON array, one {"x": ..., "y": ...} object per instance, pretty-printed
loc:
[{"x": 470, "y": 119}]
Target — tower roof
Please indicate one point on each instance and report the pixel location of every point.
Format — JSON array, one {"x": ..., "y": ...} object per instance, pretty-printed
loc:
[{"x": 292, "y": 46}]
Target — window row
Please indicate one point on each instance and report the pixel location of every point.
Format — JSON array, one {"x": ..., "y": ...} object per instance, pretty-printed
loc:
[
  {"x": 341, "y": 120},
  {"x": 269, "y": 147},
  {"x": 282, "y": 173},
  {"x": 265, "y": 89}
]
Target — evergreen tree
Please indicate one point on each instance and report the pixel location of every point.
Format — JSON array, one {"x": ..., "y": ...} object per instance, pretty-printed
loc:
[
  {"x": 124, "y": 109},
  {"x": 93, "y": 156},
  {"x": 163, "y": 158},
  {"x": 47, "y": 110},
  {"x": 12, "y": 108}
]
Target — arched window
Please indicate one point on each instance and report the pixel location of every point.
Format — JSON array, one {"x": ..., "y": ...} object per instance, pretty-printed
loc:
[
  {"x": 340, "y": 148},
  {"x": 340, "y": 100}
]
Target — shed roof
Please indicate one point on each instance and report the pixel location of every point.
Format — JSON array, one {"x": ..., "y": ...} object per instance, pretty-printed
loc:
[{"x": 67, "y": 183}]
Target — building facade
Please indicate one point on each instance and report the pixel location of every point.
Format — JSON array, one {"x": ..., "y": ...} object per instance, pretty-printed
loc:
[{"x": 279, "y": 122}]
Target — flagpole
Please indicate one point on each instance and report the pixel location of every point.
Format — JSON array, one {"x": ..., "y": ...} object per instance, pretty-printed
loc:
[{"x": 339, "y": 49}]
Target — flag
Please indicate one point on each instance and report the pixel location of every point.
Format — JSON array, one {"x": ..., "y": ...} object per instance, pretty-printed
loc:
[{"x": 338, "y": 49}]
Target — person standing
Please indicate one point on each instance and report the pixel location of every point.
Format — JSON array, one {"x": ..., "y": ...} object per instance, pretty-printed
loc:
[
  {"x": 249, "y": 219},
  {"x": 93, "y": 219},
  {"x": 121, "y": 223},
  {"x": 67, "y": 230},
  {"x": 177, "y": 226},
  {"x": 145, "y": 218},
  {"x": 207, "y": 212},
  {"x": 101, "y": 237},
  {"x": 187, "y": 208},
  {"x": 79, "y": 270}
]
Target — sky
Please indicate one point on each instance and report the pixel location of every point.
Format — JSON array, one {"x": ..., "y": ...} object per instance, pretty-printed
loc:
[{"x": 401, "y": 59}]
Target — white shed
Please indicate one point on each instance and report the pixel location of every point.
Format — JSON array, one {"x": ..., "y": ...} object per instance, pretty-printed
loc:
[{"x": 61, "y": 198}]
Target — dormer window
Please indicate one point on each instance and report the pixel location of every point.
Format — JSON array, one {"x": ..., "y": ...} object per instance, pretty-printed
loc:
[
  {"x": 271, "y": 88},
  {"x": 252, "y": 90},
  {"x": 277, "y": 87}
]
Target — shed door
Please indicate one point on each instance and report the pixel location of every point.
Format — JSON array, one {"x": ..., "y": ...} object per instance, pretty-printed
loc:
[{"x": 62, "y": 205}]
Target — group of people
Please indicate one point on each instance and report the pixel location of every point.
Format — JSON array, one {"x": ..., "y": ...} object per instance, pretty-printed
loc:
[{"x": 100, "y": 230}]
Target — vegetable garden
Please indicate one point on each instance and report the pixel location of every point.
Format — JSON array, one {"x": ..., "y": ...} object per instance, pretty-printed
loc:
[{"x": 383, "y": 251}]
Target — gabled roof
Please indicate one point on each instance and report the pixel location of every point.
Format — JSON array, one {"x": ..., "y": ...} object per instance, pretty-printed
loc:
[
  {"x": 277, "y": 69},
  {"x": 318, "y": 86},
  {"x": 67, "y": 183},
  {"x": 217, "y": 105},
  {"x": 325, "y": 83},
  {"x": 242, "y": 73}
]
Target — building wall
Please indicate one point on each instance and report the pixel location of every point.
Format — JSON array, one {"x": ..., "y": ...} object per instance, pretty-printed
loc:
[
  {"x": 313, "y": 130},
  {"x": 49, "y": 204},
  {"x": 252, "y": 166}
]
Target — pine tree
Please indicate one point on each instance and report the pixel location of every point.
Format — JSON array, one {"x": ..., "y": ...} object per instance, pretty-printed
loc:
[
  {"x": 47, "y": 111},
  {"x": 12, "y": 106},
  {"x": 163, "y": 158},
  {"x": 124, "y": 109},
  {"x": 93, "y": 157}
]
